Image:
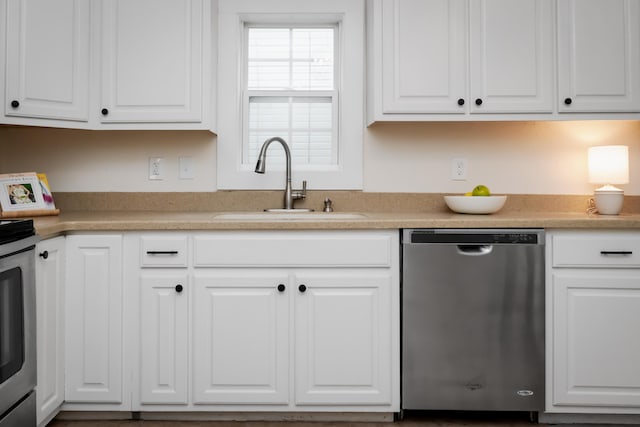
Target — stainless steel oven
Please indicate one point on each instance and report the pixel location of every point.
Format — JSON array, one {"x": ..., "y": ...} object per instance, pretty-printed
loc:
[{"x": 17, "y": 323}]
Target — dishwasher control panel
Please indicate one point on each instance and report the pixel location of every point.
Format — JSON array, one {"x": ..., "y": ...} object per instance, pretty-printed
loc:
[{"x": 481, "y": 237}]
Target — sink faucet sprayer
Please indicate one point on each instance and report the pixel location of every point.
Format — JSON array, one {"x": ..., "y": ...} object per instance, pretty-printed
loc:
[{"x": 289, "y": 195}]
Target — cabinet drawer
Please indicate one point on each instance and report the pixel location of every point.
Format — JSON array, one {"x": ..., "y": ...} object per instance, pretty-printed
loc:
[
  {"x": 163, "y": 251},
  {"x": 606, "y": 249},
  {"x": 342, "y": 249}
]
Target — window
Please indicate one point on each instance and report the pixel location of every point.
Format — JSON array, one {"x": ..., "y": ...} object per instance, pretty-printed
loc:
[
  {"x": 290, "y": 92},
  {"x": 293, "y": 69}
]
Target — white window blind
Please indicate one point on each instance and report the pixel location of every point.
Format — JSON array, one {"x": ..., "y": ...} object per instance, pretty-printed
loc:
[{"x": 291, "y": 93}]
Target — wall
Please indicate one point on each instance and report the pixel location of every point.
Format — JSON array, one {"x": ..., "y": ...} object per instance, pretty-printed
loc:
[{"x": 509, "y": 157}]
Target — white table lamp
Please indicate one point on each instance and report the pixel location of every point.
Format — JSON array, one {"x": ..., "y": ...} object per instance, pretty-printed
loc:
[{"x": 609, "y": 165}]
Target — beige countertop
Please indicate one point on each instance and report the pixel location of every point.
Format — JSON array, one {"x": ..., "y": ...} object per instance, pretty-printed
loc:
[
  {"x": 92, "y": 221},
  {"x": 99, "y": 212}
]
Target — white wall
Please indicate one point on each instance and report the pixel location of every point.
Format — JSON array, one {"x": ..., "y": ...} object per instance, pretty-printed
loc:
[
  {"x": 509, "y": 157},
  {"x": 79, "y": 160}
]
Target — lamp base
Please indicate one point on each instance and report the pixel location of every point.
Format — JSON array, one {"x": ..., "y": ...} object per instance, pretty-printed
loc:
[{"x": 609, "y": 202}]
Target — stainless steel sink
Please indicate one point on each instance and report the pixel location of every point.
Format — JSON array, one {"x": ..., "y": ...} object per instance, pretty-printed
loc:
[{"x": 289, "y": 215}]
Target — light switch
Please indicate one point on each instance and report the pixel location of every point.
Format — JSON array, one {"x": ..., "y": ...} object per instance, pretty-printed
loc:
[{"x": 186, "y": 168}]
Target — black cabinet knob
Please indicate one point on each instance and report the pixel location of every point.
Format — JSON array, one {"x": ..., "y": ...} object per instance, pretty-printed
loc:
[
  {"x": 281, "y": 287},
  {"x": 568, "y": 101},
  {"x": 478, "y": 101},
  {"x": 460, "y": 101},
  {"x": 44, "y": 254},
  {"x": 179, "y": 288},
  {"x": 104, "y": 112},
  {"x": 302, "y": 288},
  {"x": 15, "y": 104}
]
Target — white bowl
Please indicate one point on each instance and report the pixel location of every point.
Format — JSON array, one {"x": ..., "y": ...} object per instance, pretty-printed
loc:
[{"x": 475, "y": 204}]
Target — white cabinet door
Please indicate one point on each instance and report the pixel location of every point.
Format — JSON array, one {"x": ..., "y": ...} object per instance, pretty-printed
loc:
[
  {"x": 511, "y": 56},
  {"x": 164, "y": 338},
  {"x": 599, "y": 55},
  {"x": 94, "y": 310},
  {"x": 47, "y": 59},
  {"x": 596, "y": 346},
  {"x": 429, "y": 67},
  {"x": 424, "y": 56},
  {"x": 241, "y": 337},
  {"x": 50, "y": 280},
  {"x": 152, "y": 61},
  {"x": 343, "y": 337}
]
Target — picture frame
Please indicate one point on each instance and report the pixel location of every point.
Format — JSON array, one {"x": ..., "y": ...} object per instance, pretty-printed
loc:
[{"x": 25, "y": 194}]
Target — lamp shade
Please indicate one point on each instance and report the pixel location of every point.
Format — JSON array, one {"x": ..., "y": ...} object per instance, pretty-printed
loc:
[{"x": 609, "y": 164}]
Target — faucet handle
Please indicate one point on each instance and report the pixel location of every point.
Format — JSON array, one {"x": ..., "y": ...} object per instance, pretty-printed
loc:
[{"x": 300, "y": 194}]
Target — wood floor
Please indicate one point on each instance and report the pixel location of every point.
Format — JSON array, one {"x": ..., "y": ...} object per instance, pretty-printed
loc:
[{"x": 429, "y": 419}]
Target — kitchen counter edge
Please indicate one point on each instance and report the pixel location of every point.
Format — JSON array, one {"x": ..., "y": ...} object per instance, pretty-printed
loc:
[{"x": 94, "y": 221}]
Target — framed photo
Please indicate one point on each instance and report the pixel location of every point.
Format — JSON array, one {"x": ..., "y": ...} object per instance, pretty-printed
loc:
[{"x": 21, "y": 192}]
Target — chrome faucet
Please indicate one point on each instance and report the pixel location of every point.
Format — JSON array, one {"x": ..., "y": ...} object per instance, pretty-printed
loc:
[{"x": 289, "y": 195}]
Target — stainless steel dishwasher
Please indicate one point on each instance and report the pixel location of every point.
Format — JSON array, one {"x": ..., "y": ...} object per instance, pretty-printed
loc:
[{"x": 473, "y": 319}]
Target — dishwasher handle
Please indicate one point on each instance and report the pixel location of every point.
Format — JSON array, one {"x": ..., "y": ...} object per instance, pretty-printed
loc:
[{"x": 474, "y": 250}]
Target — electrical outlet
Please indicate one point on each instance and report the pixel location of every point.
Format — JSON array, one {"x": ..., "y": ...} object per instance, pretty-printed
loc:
[
  {"x": 155, "y": 168},
  {"x": 459, "y": 169}
]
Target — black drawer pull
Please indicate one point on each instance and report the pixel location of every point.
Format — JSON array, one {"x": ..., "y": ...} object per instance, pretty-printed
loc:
[
  {"x": 162, "y": 252},
  {"x": 179, "y": 288},
  {"x": 281, "y": 287},
  {"x": 302, "y": 288},
  {"x": 44, "y": 255},
  {"x": 616, "y": 252}
]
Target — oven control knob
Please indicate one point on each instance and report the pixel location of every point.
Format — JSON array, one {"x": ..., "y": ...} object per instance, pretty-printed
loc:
[{"x": 44, "y": 255}]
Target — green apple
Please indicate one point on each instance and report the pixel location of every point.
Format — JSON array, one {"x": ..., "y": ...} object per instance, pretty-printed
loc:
[{"x": 481, "y": 190}]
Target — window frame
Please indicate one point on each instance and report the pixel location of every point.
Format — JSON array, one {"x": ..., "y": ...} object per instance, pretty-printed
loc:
[{"x": 234, "y": 18}]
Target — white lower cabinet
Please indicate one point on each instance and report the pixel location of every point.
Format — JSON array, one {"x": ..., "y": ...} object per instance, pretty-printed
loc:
[
  {"x": 94, "y": 306},
  {"x": 265, "y": 321},
  {"x": 241, "y": 337},
  {"x": 50, "y": 286},
  {"x": 593, "y": 346},
  {"x": 343, "y": 337},
  {"x": 163, "y": 317}
]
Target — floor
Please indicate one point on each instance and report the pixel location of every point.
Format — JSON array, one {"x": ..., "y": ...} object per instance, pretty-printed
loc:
[{"x": 428, "y": 419}]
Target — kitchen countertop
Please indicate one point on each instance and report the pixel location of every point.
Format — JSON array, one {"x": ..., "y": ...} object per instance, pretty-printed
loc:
[{"x": 99, "y": 221}]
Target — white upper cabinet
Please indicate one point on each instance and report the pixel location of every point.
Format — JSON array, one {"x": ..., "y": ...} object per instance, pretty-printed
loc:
[
  {"x": 151, "y": 61},
  {"x": 511, "y": 56},
  {"x": 47, "y": 59},
  {"x": 503, "y": 60},
  {"x": 431, "y": 60},
  {"x": 108, "y": 64},
  {"x": 598, "y": 56},
  {"x": 424, "y": 60}
]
